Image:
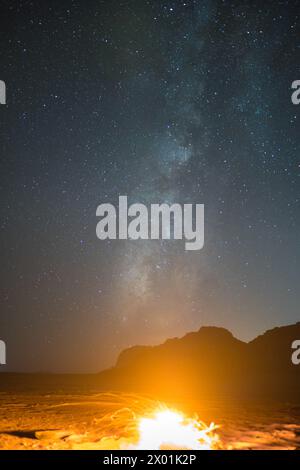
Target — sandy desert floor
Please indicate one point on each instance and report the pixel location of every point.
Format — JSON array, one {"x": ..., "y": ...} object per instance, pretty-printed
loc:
[{"x": 108, "y": 421}]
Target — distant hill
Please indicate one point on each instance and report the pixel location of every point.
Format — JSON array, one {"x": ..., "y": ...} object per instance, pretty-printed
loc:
[{"x": 212, "y": 363}]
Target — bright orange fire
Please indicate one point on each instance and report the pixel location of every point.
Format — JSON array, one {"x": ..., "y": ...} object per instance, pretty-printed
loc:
[
  {"x": 142, "y": 423},
  {"x": 167, "y": 429}
]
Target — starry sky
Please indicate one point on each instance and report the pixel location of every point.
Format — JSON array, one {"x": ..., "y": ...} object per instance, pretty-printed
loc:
[{"x": 162, "y": 101}]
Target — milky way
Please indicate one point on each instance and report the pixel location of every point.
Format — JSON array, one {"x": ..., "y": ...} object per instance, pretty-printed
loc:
[{"x": 162, "y": 101}]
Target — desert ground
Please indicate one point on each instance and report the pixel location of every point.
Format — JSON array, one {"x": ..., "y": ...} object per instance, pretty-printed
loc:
[{"x": 89, "y": 420}]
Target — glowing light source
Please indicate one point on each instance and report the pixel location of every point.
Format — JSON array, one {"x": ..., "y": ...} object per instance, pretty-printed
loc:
[{"x": 167, "y": 429}]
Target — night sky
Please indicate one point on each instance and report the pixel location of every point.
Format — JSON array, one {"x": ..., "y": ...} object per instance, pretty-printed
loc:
[{"x": 162, "y": 101}]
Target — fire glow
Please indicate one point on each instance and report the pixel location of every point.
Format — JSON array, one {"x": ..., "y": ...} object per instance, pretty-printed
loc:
[
  {"x": 140, "y": 423},
  {"x": 168, "y": 429}
]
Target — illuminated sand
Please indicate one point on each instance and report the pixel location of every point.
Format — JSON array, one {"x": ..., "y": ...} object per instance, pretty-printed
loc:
[{"x": 125, "y": 421}]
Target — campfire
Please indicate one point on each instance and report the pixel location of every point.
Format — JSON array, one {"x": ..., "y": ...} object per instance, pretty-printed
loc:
[{"x": 168, "y": 429}]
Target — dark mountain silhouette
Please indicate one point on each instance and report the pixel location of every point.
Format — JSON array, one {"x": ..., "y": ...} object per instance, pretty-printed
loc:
[{"x": 212, "y": 363}]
